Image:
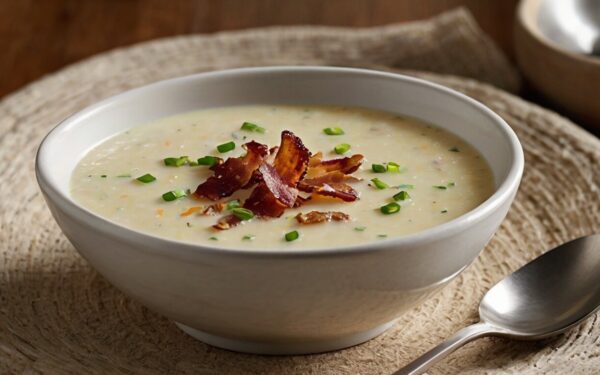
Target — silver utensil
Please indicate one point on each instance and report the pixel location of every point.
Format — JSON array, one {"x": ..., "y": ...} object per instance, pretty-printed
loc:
[
  {"x": 547, "y": 296},
  {"x": 572, "y": 24}
]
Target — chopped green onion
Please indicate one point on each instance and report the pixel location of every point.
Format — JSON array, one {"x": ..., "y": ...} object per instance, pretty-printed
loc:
[
  {"x": 226, "y": 147},
  {"x": 390, "y": 208},
  {"x": 124, "y": 175},
  {"x": 249, "y": 237},
  {"x": 401, "y": 196},
  {"x": 379, "y": 184},
  {"x": 252, "y": 127},
  {"x": 378, "y": 168},
  {"x": 233, "y": 204},
  {"x": 444, "y": 211},
  {"x": 451, "y": 184},
  {"x": 292, "y": 236},
  {"x": 103, "y": 176},
  {"x": 454, "y": 149},
  {"x": 440, "y": 187},
  {"x": 193, "y": 163},
  {"x": 405, "y": 186},
  {"x": 360, "y": 229},
  {"x": 393, "y": 167},
  {"x": 173, "y": 195},
  {"x": 147, "y": 178},
  {"x": 176, "y": 162},
  {"x": 208, "y": 160},
  {"x": 242, "y": 213},
  {"x": 342, "y": 148},
  {"x": 333, "y": 131},
  {"x": 213, "y": 238},
  {"x": 382, "y": 235}
]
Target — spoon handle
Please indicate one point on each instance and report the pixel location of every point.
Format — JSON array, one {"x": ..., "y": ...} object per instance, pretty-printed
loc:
[{"x": 460, "y": 338}]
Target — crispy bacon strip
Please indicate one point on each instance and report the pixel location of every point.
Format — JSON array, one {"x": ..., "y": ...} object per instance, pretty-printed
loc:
[
  {"x": 346, "y": 165},
  {"x": 272, "y": 196},
  {"x": 315, "y": 217},
  {"x": 233, "y": 174},
  {"x": 292, "y": 157},
  {"x": 327, "y": 178},
  {"x": 341, "y": 191}
]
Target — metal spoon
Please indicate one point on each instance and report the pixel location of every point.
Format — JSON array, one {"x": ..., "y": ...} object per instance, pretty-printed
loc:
[{"x": 547, "y": 296}]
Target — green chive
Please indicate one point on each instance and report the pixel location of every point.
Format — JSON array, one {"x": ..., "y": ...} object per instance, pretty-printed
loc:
[
  {"x": 242, "y": 213},
  {"x": 173, "y": 195},
  {"x": 213, "y": 238},
  {"x": 146, "y": 178},
  {"x": 444, "y": 211},
  {"x": 233, "y": 204},
  {"x": 333, "y": 131},
  {"x": 390, "y": 208},
  {"x": 249, "y": 237},
  {"x": 440, "y": 187},
  {"x": 292, "y": 236},
  {"x": 378, "y": 168},
  {"x": 252, "y": 127},
  {"x": 401, "y": 196},
  {"x": 176, "y": 162},
  {"x": 393, "y": 167},
  {"x": 208, "y": 160},
  {"x": 382, "y": 235},
  {"x": 454, "y": 149},
  {"x": 451, "y": 184},
  {"x": 379, "y": 184},
  {"x": 342, "y": 148},
  {"x": 103, "y": 176},
  {"x": 226, "y": 147},
  {"x": 124, "y": 176},
  {"x": 360, "y": 229},
  {"x": 405, "y": 186}
]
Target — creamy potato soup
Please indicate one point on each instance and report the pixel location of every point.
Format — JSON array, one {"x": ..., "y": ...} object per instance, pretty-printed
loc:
[{"x": 413, "y": 176}]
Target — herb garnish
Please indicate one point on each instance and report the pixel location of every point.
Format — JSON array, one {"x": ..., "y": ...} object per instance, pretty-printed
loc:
[
  {"x": 292, "y": 236},
  {"x": 233, "y": 204},
  {"x": 360, "y": 229},
  {"x": 208, "y": 160},
  {"x": 333, "y": 131},
  {"x": 173, "y": 195},
  {"x": 242, "y": 213},
  {"x": 252, "y": 127},
  {"x": 379, "y": 184},
  {"x": 454, "y": 149},
  {"x": 378, "y": 168},
  {"x": 440, "y": 187},
  {"x": 342, "y": 148},
  {"x": 147, "y": 178},
  {"x": 249, "y": 237},
  {"x": 226, "y": 147},
  {"x": 401, "y": 196},
  {"x": 405, "y": 186},
  {"x": 176, "y": 162},
  {"x": 390, "y": 208}
]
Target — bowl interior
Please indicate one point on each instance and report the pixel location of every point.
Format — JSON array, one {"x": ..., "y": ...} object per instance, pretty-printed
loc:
[{"x": 67, "y": 143}]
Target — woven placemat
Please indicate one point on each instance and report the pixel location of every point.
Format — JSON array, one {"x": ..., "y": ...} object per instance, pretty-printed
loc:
[{"x": 57, "y": 315}]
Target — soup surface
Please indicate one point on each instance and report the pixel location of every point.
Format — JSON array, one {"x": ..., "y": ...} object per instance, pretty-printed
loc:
[{"x": 442, "y": 177}]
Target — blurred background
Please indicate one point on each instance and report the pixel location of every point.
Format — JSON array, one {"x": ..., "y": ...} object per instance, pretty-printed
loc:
[{"x": 41, "y": 36}]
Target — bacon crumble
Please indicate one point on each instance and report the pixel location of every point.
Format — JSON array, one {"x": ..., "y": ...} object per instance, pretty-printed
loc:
[
  {"x": 315, "y": 217},
  {"x": 279, "y": 179}
]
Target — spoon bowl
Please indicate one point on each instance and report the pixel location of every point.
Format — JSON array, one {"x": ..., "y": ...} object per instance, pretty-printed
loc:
[{"x": 547, "y": 296}]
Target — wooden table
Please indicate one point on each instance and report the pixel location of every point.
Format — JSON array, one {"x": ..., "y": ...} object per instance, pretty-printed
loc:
[{"x": 41, "y": 36}]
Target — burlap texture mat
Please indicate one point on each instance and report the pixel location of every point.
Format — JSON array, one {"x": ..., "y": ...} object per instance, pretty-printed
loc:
[{"x": 57, "y": 315}]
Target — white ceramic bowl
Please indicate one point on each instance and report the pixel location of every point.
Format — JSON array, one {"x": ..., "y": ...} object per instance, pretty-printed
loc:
[{"x": 280, "y": 302}]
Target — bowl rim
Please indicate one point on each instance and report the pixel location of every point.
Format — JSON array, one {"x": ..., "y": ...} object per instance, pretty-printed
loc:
[
  {"x": 168, "y": 247},
  {"x": 529, "y": 9}
]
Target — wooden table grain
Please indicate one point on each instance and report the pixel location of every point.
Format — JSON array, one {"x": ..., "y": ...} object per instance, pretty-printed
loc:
[{"x": 41, "y": 36}]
